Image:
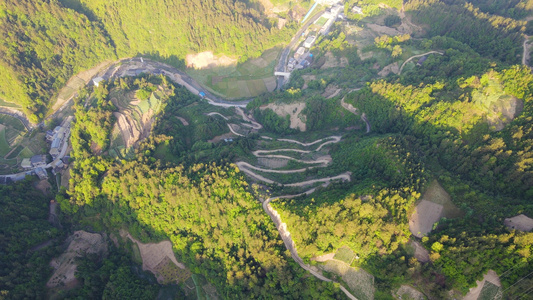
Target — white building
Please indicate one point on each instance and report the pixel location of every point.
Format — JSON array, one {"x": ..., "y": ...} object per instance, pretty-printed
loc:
[
  {"x": 357, "y": 10},
  {"x": 309, "y": 41},
  {"x": 97, "y": 80}
]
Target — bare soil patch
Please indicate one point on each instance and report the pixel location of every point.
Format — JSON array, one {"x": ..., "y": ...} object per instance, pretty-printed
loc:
[
  {"x": 408, "y": 292},
  {"x": 435, "y": 204},
  {"x": 422, "y": 220},
  {"x": 421, "y": 253},
  {"x": 323, "y": 258},
  {"x": 293, "y": 110},
  {"x": 183, "y": 121},
  {"x": 394, "y": 68},
  {"x": 520, "y": 222},
  {"x": 331, "y": 91},
  {"x": 474, "y": 292},
  {"x": 207, "y": 59},
  {"x": 219, "y": 138},
  {"x": 306, "y": 79},
  {"x": 43, "y": 186},
  {"x": 160, "y": 260},
  {"x": 81, "y": 243},
  {"x": 272, "y": 163}
]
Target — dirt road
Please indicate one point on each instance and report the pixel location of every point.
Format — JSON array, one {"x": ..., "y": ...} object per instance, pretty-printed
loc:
[
  {"x": 419, "y": 55},
  {"x": 525, "y": 54}
]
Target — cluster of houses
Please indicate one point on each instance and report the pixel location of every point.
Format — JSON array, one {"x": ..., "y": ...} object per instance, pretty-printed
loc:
[
  {"x": 302, "y": 57},
  {"x": 58, "y": 139},
  {"x": 332, "y": 14}
]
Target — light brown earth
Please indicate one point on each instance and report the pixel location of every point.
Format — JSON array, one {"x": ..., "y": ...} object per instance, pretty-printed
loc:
[
  {"x": 474, "y": 292},
  {"x": 272, "y": 163},
  {"x": 520, "y": 222},
  {"x": 75, "y": 83},
  {"x": 159, "y": 259},
  {"x": 81, "y": 243},
  {"x": 324, "y": 258},
  {"x": 183, "y": 121},
  {"x": 394, "y": 68},
  {"x": 331, "y": 91},
  {"x": 293, "y": 110},
  {"x": 306, "y": 79},
  {"x": 205, "y": 60},
  {"x": 44, "y": 186},
  {"x": 333, "y": 61},
  {"x": 422, "y": 220},
  {"x": 434, "y": 204},
  {"x": 421, "y": 253},
  {"x": 408, "y": 292}
]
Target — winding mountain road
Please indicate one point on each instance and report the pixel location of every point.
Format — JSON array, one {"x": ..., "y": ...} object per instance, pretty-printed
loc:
[{"x": 288, "y": 241}]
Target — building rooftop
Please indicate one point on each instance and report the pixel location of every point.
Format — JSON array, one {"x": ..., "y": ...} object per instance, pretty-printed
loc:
[{"x": 36, "y": 159}]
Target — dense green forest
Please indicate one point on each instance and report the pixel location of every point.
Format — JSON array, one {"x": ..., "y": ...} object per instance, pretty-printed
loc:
[
  {"x": 216, "y": 225},
  {"x": 463, "y": 119},
  {"x": 27, "y": 242},
  {"x": 44, "y": 43}
]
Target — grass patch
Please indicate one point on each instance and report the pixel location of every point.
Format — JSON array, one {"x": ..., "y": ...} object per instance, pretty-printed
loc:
[
  {"x": 360, "y": 283},
  {"x": 345, "y": 254},
  {"x": 8, "y": 162},
  {"x": 4, "y": 145},
  {"x": 489, "y": 291},
  {"x": 320, "y": 22},
  {"x": 13, "y": 122},
  {"x": 26, "y": 153},
  {"x": 9, "y": 104},
  {"x": 14, "y": 153}
]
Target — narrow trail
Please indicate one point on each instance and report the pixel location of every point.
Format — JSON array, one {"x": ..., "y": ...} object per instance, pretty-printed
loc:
[
  {"x": 415, "y": 56},
  {"x": 525, "y": 54},
  {"x": 353, "y": 110},
  {"x": 289, "y": 243}
]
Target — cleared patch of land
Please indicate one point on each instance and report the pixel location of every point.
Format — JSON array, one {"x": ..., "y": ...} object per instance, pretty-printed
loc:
[
  {"x": 81, "y": 244},
  {"x": 520, "y": 222},
  {"x": 293, "y": 110},
  {"x": 485, "y": 289},
  {"x": 248, "y": 79},
  {"x": 159, "y": 259},
  {"x": 134, "y": 120},
  {"x": 359, "y": 281},
  {"x": 435, "y": 204}
]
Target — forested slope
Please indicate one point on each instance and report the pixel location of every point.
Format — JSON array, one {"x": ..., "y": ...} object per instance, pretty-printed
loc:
[{"x": 44, "y": 43}]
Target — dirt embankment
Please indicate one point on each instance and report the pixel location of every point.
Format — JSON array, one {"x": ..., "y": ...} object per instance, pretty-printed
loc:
[
  {"x": 207, "y": 59},
  {"x": 81, "y": 243},
  {"x": 293, "y": 110}
]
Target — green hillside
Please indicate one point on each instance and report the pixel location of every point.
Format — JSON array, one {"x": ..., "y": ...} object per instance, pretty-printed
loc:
[{"x": 42, "y": 44}]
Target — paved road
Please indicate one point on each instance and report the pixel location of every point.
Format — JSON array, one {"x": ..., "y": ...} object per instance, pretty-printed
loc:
[{"x": 285, "y": 53}]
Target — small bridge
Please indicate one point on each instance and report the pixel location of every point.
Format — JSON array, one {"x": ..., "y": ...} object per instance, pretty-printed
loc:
[{"x": 284, "y": 74}]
